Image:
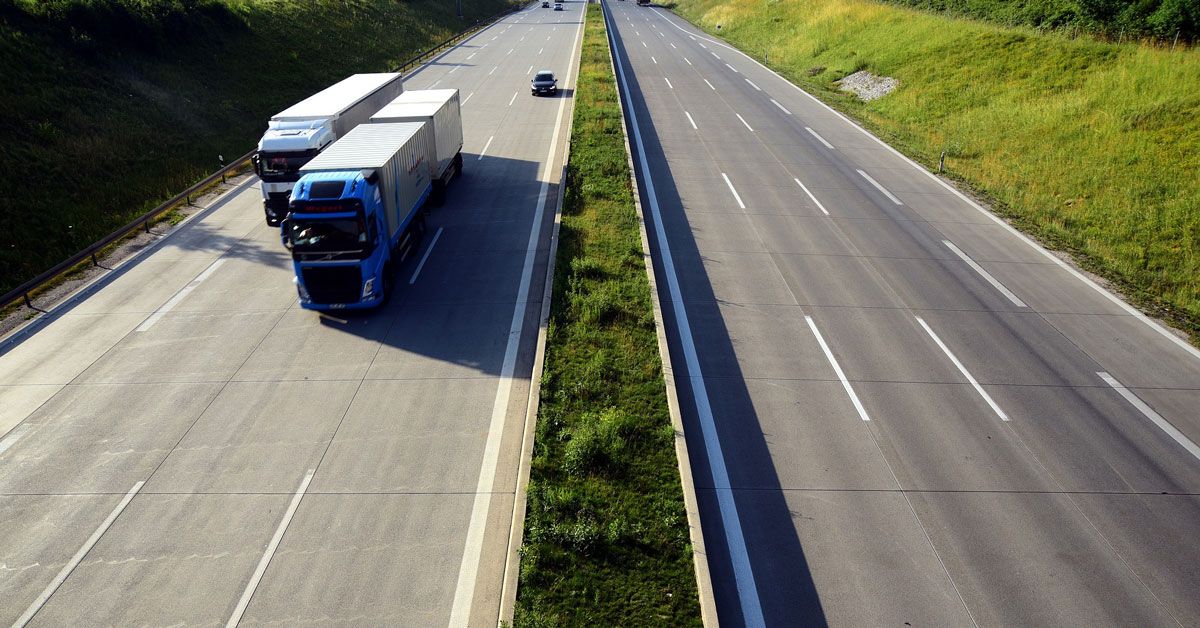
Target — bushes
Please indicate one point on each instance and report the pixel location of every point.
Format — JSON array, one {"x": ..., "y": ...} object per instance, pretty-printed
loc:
[{"x": 1132, "y": 19}]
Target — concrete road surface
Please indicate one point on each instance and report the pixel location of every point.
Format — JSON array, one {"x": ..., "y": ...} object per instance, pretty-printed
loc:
[
  {"x": 899, "y": 410},
  {"x": 184, "y": 445}
]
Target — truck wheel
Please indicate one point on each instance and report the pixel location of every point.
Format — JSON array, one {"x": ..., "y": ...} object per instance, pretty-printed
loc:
[
  {"x": 439, "y": 193},
  {"x": 458, "y": 165}
]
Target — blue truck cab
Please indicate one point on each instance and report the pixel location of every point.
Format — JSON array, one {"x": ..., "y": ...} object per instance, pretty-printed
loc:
[{"x": 356, "y": 212}]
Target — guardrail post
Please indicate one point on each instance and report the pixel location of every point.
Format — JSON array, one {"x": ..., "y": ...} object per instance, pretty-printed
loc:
[
  {"x": 94, "y": 262},
  {"x": 28, "y": 303}
]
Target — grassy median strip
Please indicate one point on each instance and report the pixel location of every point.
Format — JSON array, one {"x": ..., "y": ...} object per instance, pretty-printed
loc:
[
  {"x": 606, "y": 535},
  {"x": 1091, "y": 146}
]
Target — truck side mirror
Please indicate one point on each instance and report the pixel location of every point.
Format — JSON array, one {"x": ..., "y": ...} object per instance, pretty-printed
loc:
[
  {"x": 257, "y": 161},
  {"x": 285, "y": 230}
]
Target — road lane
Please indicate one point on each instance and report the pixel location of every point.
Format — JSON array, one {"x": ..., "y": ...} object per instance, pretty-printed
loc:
[
  {"x": 226, "y": 399},
  {"x": 937, "y": 510}
]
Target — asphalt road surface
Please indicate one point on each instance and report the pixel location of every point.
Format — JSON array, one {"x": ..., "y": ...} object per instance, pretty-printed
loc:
[
  {"x": 899, "y": 410},
  {"x": 183, "y": 445}
]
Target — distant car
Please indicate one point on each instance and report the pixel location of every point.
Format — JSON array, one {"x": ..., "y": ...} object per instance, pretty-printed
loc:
[
  {"x": 543, "y": 83},
  {"x": 558, "y": 6},
  {"x": 545, "y": 4}
]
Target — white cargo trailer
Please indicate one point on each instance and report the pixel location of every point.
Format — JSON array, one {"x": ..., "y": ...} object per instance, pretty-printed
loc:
[
  {"x": 298, "y": 133},
  {"x": 439, "y": 108}
]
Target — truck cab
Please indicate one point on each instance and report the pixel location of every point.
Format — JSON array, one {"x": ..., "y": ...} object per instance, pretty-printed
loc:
[
  {"x": 283, "y": 149},
  {"x": 334, "y": 232}
]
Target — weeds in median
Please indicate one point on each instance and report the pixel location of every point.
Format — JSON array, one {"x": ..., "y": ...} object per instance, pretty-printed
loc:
[{"x": 606, "y": 535}]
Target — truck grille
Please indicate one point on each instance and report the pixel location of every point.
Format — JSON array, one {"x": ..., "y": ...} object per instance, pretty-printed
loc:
[{"x": 333, "y": 284}]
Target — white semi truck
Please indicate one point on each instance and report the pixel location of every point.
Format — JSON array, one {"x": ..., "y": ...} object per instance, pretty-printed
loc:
[
  {"x": 440, "y": 109},
  {"x": 297, "y": 134}
]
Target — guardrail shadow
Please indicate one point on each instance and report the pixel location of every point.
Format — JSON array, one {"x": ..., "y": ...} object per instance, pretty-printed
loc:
[{"x": 786, "y": 590}]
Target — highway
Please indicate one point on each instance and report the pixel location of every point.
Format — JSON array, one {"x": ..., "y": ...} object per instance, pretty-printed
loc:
[
  {"x": 182, "y": 444},
  {"x": 899, "y": 410}
]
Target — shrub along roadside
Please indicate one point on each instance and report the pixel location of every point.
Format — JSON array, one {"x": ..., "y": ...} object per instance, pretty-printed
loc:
[
  {"x": 1092, "y": 147},
  {"x": 606, "y": 535}
]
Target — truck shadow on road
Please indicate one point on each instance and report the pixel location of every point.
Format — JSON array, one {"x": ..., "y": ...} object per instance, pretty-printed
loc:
[{"x": 785, "y": 586}]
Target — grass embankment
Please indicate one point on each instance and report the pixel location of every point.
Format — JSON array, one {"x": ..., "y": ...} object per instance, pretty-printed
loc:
[
  {"x": 111, "y": 107},
  {"x": 1090, "y": 146},
  {"x": 606, "y": 535},
  {"x": 1119, "y": 19}
]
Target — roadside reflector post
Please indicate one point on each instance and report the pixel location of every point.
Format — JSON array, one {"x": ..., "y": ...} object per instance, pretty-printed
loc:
[
  {"x": 942, "y": 162},
  {"x": 28, "y": 303}
]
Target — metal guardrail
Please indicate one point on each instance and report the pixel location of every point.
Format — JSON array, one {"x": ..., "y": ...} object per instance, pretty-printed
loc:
[{"x": 23, "y": 291}]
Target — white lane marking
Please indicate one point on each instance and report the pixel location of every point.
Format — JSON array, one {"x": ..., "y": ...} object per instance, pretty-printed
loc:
[
  {"x": 732, "y": 68},
  {"x": 179, "y": 296},
  {"x": 962, "y": 369},
  {"x": 685, "y": 60},
  {"x": 492, "y": 70},
  {"x": 453, "y": 70},
  {"x": 689, "y": 117},
  {"x": 464, "y": 590},
  {"x": 269, "y": 553},
  {"x": 514, "y": 97},
  {"x": 654, "y": 60},
  {"x": 756, "y": 87},
  {"x": 540, "y": 50},
  {"x": 510, "y": 51},
  {"x": 743, "y": 575},
  {"x": 521, "y": 39},
  {"x": 880, "y": 187},
  {"x": 837, "y": 368},
  {"x": 702, "y": 45},
  {"x": 471, "y": 56},
  {"x": 985, "y": 274},
  {"x": 736, "y": 197},
  {"x": 637, "y": 32},
  {"x": 529, "y": 71},
  {"x": 644, "y": 45},
  {"x": 464, "y": 102},
  {"x": 12, "y": 438},
  {"x": 485, "y": 147},
  {"x": 668, "y": 82},
  {"x": 425, "y": 257},
  {"x": 1156, "y": 418},
  {"x": 494, "y": 38},
  {"x": 693, "y": 38},
  {"x": 709, "y": 84},
  {"x": 739, "y": 116},
  {"x": 819, "y": 138},
  {"x": 435, "y": 83},
  {"x": 810, "y": 195},
  {"x": 673, "y": 46},
  {"x": 75, "y": 560},
  {"x": 715, "y": 55},
  {"x": 781, "y": 107}
]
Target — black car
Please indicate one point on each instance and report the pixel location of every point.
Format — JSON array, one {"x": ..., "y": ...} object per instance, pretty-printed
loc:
[
  {"x": 544, "y": 83},
  {"x": 545, "y": 4}
]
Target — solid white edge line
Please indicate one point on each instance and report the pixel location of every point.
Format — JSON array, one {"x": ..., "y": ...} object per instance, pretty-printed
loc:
[
  {"x": 739, "y": 116},
  {"x": 485, "y": 147},
  {"x": 179, "y": 296},
  {"x": 985, "y": 274},
  {"x": 736, "y": 197},
  {"x": 424, "y": 257},
  {"x": 1129, "y": 309},
  {"x": 734, "y": 539},
  {"x": 819, "y": 138},
  {"x": 464, "y": 590},
  {"x": 689, "y": 117},
  {"x": 12, "y": 437},
  {"x": 962, "y": 369},
  {"x": 756, "y": 87},
  {"x": 781, "y": 107},
  {"x": 810, "y": 195},
  {"x": 248, "y": 593},
  {"x": 837, "y": 368},
  {"x": 1156, "y": 418},
  {"x": 880, "y": 188},
  {"x": 76, "y": 559}
]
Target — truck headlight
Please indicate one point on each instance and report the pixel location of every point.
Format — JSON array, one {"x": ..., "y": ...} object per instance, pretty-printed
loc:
[
  {"x": 300, "y": 288},
  {"x": 368, "y": 287}
]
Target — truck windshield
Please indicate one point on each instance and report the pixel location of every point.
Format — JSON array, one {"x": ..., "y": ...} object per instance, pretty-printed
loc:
[
  {"x": 337, "y": 235},
  {"x": 283, "y": 166}
]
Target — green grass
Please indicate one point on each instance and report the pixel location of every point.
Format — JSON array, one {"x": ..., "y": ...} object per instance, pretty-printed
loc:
[
  {"x": 1092, "y": 147},
  {"x": 606, "y": 534},
  {"x": 111, "y": 106}
]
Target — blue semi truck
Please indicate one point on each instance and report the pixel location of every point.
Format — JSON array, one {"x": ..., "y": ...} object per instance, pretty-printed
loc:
[{"x": 357, "y": 212}]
